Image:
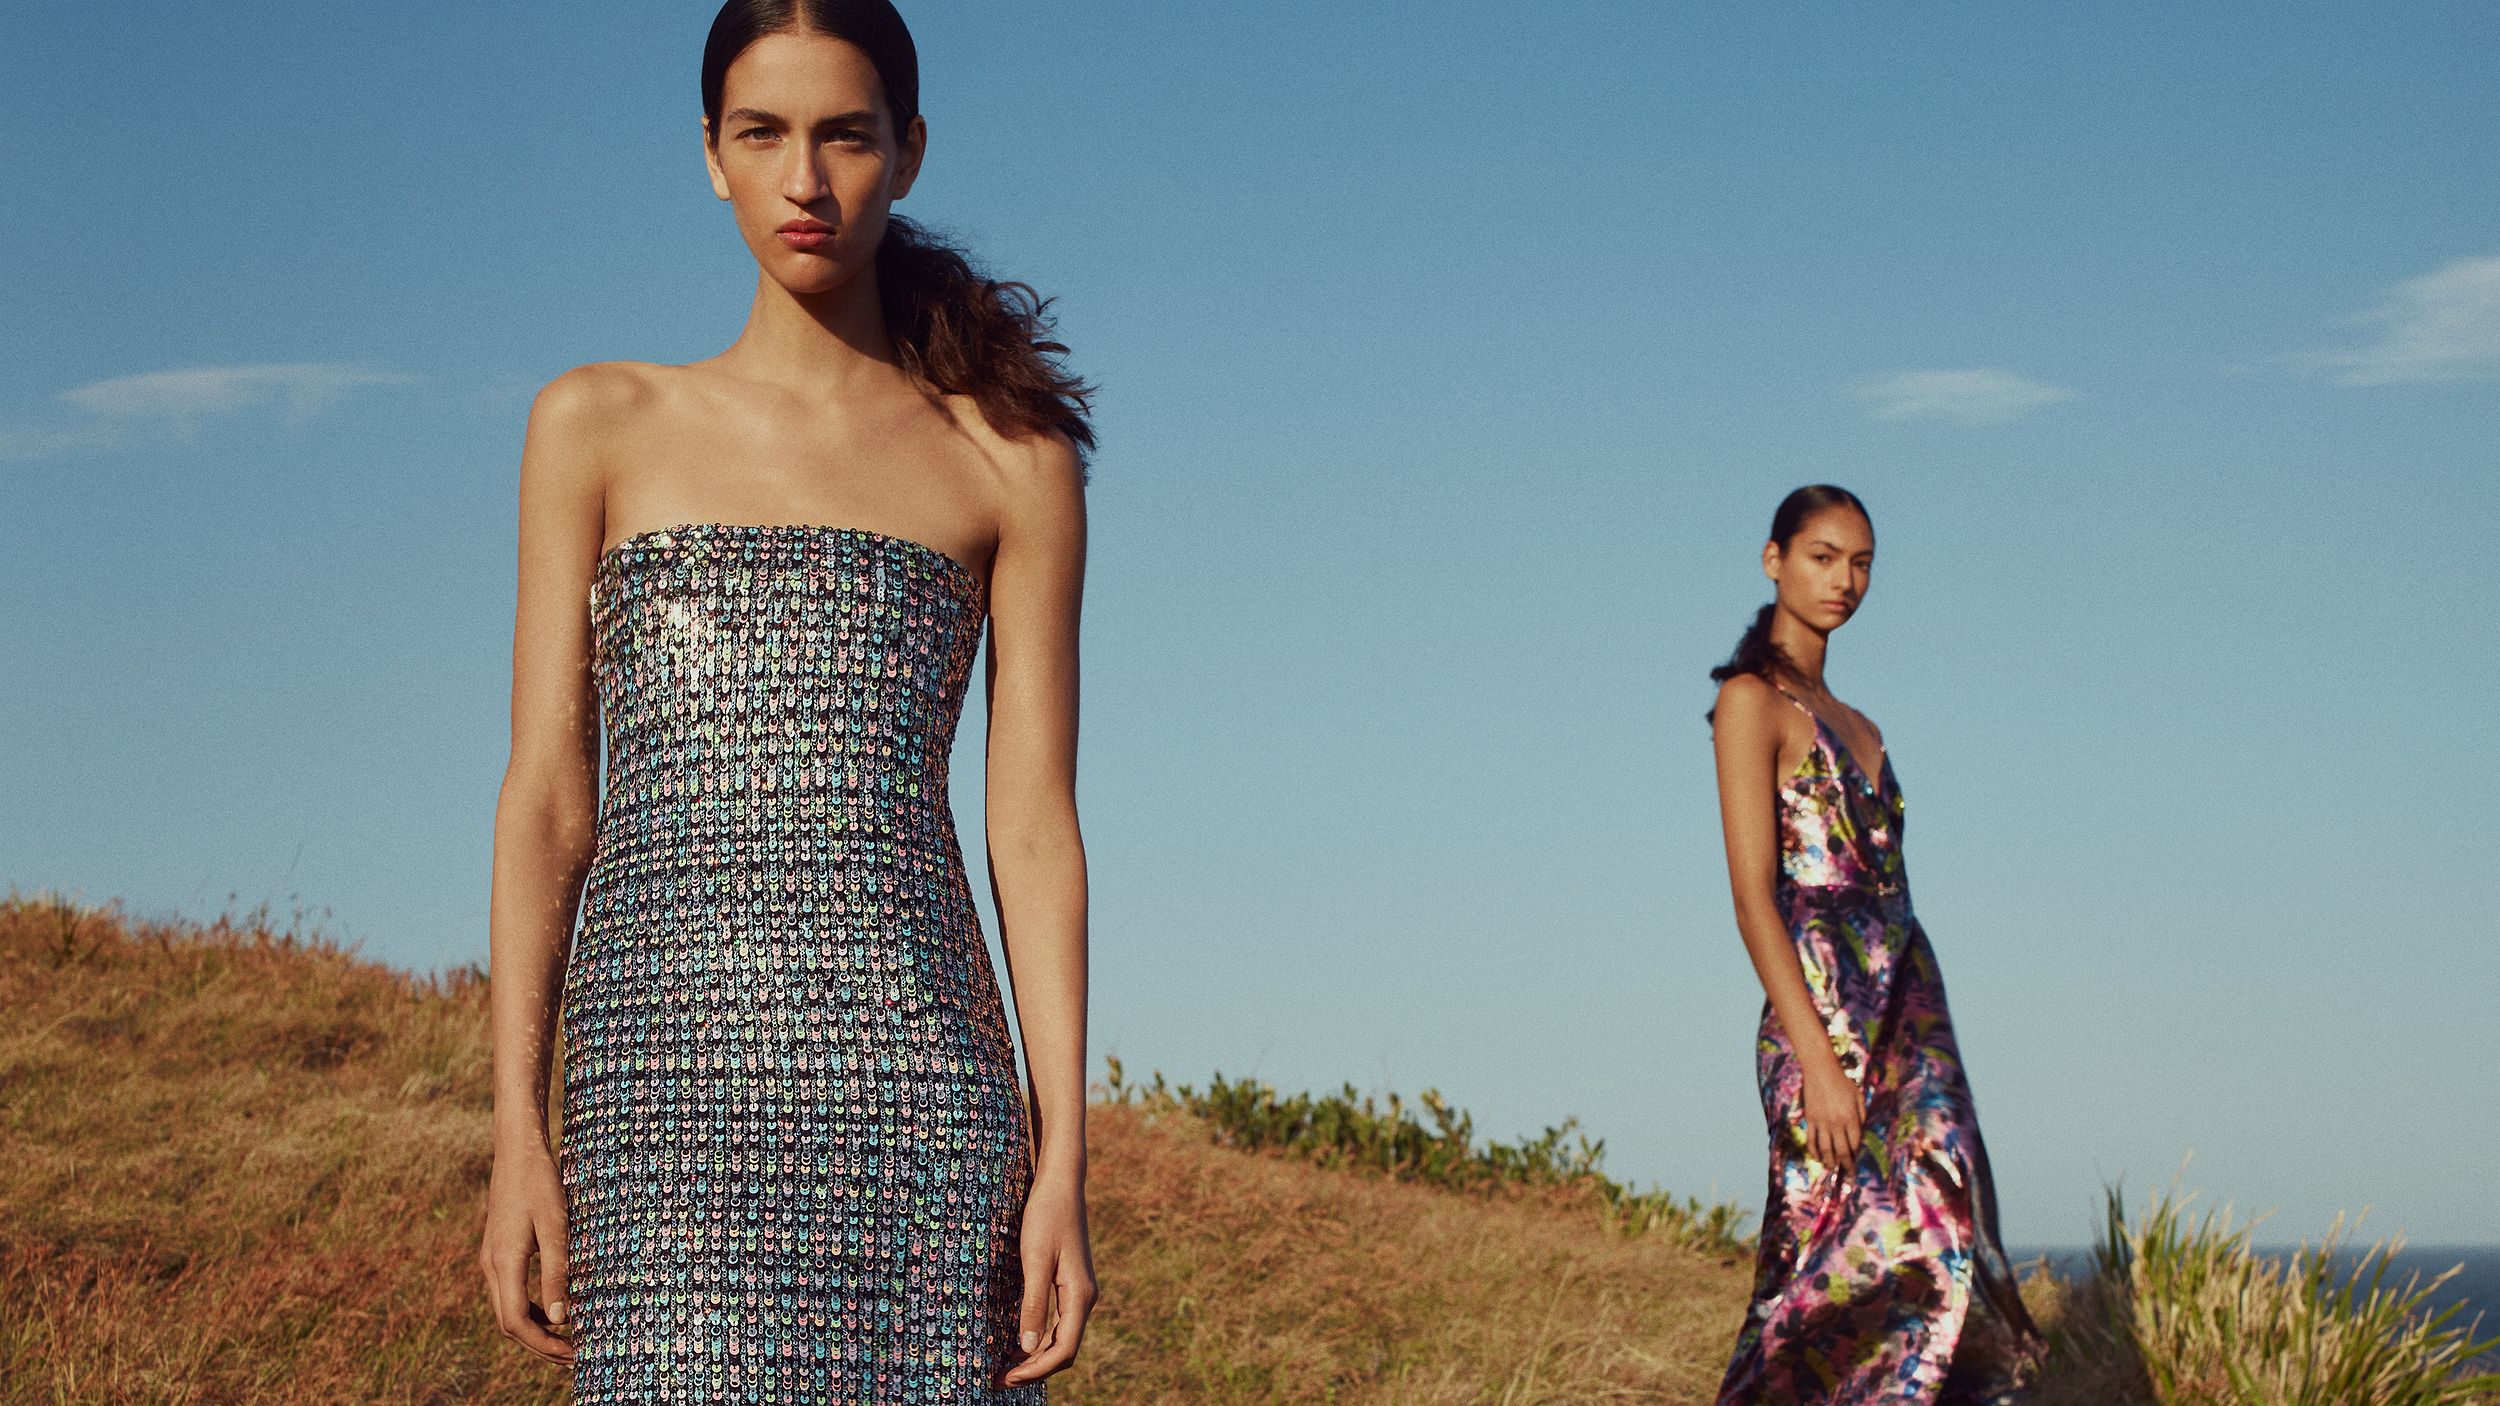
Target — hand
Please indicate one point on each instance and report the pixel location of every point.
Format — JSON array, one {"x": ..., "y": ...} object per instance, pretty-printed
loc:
[
  {"x": 525, "y": 1215},
  {"x": 1835, "y": 1115},
  {"x": 1058, "y": 1280}
]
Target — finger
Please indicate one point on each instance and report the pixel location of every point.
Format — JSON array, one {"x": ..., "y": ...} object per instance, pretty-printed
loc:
[
  {"x": 486, "y": 1265},
  {"x": 1033, "y": 1313},
  {"x": 1075, "y": 1305},
  {"x": 517, "y": 1316},
  {"x": 555, "y": 1276},
  {"x": 1077, "y": 1301}
]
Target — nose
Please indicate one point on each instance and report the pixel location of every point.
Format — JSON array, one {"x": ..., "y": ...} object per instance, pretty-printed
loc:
[{"x": 803, "y": 179}]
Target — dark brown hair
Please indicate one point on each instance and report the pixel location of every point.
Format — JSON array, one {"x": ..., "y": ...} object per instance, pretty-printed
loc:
[
  {"x": 956, "y": 328},
  {"x": 1755, "y": 653}
]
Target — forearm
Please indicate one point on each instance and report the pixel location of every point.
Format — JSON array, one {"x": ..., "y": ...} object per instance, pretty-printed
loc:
[
  {"x": 1783, "y": 977},
  {"x": 1041, "y": 896},
  {"x": 541, "y": 856}
]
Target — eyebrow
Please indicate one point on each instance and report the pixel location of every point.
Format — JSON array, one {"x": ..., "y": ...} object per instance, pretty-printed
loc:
[
  {"x": 857, "y": 117},
  {"x": 1835, "y": 546}
]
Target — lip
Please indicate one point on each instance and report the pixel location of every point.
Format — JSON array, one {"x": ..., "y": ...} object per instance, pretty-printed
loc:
[
  {"x": 805, "y": 234},
  {"x": 1842, "y": 606}
]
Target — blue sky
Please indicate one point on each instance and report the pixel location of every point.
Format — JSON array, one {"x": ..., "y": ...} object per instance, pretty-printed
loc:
[{"x": 1453, "y": 358}]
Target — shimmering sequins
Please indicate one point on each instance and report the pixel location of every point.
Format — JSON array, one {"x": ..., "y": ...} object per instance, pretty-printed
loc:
[
  {"x": 794, "y": 1145},
  {"x": 1882, "y": 1282}
]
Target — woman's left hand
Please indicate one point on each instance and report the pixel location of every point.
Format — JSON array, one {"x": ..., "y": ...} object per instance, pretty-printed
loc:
[{"x": 1058, "y": 1279}]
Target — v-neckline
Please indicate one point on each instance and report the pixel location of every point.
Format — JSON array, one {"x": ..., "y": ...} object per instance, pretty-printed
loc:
[{"x": 1840, "y": 748}]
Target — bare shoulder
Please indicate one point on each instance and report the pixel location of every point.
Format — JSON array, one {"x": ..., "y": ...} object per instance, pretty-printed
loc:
[
  {"x": 1750, "y": 701},
  {"x": 598, "y": 387},
  {"x": 590, "y": 402},
  {"x": 1044, "y": 477},
  {"x": 1030, "y": 477}
]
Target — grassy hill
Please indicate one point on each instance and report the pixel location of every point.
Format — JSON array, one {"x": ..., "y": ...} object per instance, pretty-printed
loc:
[{"x": 240, "y": 1165}]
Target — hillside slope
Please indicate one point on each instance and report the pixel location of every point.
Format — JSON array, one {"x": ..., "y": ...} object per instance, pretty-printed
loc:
[{"x": 238, "y": 1165}]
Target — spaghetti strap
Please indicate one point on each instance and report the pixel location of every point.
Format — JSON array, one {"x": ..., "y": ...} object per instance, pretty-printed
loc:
[{"x": 1811, "y": 715}]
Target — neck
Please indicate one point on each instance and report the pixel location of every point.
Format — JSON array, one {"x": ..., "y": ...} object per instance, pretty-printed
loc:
[
  {"x": 815, "y": 344},
  {"x": 1802, "y": 646}
]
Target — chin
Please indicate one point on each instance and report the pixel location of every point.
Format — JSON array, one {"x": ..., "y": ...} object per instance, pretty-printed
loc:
[{"x": 807, "y": 274}]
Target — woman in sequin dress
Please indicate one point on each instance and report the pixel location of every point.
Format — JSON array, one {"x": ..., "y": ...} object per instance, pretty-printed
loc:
[
  {"x": 796, "y": 1163},
  {"x": 1880, "y": 1276}
]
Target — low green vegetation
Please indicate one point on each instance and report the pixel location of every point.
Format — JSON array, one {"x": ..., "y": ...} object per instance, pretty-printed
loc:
[
  {"x": 1353, "y": 1130},
  {"x": 2214, "y": 1321}
]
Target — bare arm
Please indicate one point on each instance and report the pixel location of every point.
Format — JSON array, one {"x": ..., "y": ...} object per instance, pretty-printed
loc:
[
  {"x": 1037, "y": 868},
  {"x": 544, "y": 822},
  {"x": 1747, "y": 735}
]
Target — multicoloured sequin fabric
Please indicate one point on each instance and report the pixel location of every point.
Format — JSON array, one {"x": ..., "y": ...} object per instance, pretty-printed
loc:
[
  {"x": 794, "y": 1144},
  {"x": 1885, "y": 1281}
]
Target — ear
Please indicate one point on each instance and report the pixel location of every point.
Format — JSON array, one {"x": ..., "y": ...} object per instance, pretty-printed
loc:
[
  {"x": 711, "y": 162},
  {"x": 909, "y": 148},
  {"x": 1771, "y": 560}
]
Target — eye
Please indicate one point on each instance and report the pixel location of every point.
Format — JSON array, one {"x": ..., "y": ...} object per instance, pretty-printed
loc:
[
  {"x": 851, "y": 136},
  {"x": 757, "y": 132}
]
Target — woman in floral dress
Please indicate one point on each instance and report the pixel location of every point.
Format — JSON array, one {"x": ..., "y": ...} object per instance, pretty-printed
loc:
[{"x": 1880, "y": 1276}]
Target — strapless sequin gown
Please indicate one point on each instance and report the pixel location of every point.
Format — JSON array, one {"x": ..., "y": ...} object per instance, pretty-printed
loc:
[
  {"x": 794, "y": 1143},
  {"x": 1887, "y": 1282}
]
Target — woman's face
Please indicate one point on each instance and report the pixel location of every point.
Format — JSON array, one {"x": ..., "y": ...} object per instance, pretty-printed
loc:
[
  {"x": 808, "y": 157},
  {"x": 1822, "y": 572}
]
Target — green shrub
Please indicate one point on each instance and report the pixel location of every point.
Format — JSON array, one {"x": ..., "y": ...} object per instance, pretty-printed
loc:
[
  {"x": 2220, "y": 1323},
  {"x": 1353, "y": 1130}
]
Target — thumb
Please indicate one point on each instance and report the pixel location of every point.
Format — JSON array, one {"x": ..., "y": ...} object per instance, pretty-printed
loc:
[
  {"x": 554, "y": 1276},
  {"x": 1035, "y": 1307}
]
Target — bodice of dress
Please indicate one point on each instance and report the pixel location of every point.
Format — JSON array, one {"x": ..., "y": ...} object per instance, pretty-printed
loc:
[
  {"x": 780, "y": 685},
  {"x": 1840, "y": 830}
]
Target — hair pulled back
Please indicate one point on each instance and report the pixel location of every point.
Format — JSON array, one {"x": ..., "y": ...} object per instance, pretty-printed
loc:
[
  {"x": 954, "y": 327},
  {"x": 1755, "y": 652}
]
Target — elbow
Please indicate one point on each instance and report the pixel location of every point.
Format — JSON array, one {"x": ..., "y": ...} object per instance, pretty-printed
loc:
[
  {"x": 1759, "y": 910},
  {"x": 557, "y": 820},
  {"x": 1043, "y": 841}
]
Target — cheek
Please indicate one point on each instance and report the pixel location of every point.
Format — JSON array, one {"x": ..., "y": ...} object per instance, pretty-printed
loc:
[
  {"x": 743, "y": 182},
  {"x": 861, "y": 182}
]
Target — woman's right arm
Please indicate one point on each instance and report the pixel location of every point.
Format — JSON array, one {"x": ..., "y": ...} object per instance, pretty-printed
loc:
[
  {"x": 545, "y": 816},
  {"x": 1746, "y": 734}
]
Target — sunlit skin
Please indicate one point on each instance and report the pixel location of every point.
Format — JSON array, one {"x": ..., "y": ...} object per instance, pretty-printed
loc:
[
  {"x": 1821, "y": 578},
  {"x": 806, "y": 418}
]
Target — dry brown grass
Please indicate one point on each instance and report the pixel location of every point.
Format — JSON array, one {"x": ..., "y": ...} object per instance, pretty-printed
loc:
[
  {"x": 238, "y": 1165},
  {"x": 2091, "y": 1362},
  {"x": 1239, "y": 1278}
]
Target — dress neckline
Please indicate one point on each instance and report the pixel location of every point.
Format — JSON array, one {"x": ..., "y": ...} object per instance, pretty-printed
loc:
[
  {"x": 962, "y": 574},
  {"x": 1840, "y": 750}
]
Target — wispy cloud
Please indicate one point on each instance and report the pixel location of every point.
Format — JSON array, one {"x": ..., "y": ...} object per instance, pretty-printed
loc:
[
  {"x": 125, "y": 409},
  {"x": 2441, "y": 326},
  {"x": 297, "y": 388},
  {"x": 44, "y": 442},
  {"x": 1963, "y": 397}
]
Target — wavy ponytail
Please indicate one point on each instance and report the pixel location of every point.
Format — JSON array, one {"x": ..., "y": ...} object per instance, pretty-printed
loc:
[
  {"x": 955, "y": 328},
  {"x": 968, "y": 334},
  {"x": 1756, "y": 653}
]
